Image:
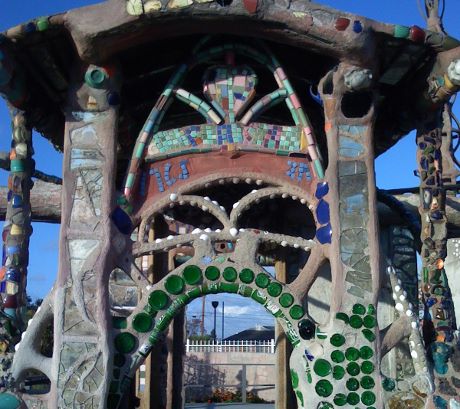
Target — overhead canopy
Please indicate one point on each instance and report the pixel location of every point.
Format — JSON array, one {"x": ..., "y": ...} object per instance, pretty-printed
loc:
[{"x": 148, "y": 38}]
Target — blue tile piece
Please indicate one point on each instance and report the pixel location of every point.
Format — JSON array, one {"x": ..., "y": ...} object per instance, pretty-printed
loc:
[
  {"x": 430, "y": 302},
  {"x": 324, "y": 234},
  {"x": 184, "y": 174},
  {"x": 10, "y": 250},
  {"x": 350, "y": 148},
  {"x": 440, "y": 353},
  {"x": 122, "y": 220},
  {"x": 308, "y": 355},
  {"x": 206, "y": 260},
  {"x": 322, "y": 189},
  {"x": 169, "y": 179},
  {"x": 439, "y": 403},
  {"x": 357, "y": 26},
  {"x": 113, "y": 99},
  {"x": 322, "y": 212},
  {"x": 13, "y": 275},
  {"x": 159, "y": 180},
  {"x": 298, "y": 170},
  {"x": 17, "y": 201},
  {"x": 143, "y": 183}
]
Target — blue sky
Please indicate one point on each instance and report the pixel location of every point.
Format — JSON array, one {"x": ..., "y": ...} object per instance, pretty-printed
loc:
[{"x": 394, "y": 169}]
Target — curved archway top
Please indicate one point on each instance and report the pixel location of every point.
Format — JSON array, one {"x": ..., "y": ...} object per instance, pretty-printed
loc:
[
  {"x": 135, "y": 336},
  {"x": 308, "y": 25},
  {"x": 229, "y": 90}
]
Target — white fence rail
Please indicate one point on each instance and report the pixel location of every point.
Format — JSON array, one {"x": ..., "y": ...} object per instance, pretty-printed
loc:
[{"x": 267, "y": 347}]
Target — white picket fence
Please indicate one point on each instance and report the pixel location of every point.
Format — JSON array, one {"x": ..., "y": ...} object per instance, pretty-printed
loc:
[{"x": 267, "y": 347}]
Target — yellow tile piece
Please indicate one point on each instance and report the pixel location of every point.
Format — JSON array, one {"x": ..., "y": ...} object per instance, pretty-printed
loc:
[
  {"x": 178, "y": 4},
  {"x": 134, "y": 7},
  {"x": 152, "y": 5}
]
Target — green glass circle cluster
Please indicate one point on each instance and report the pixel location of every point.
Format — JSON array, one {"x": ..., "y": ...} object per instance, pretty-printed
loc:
[
  {"x": 212, "y": 273},
  {"x": 337, "y": 340},
  {"x": 262, "y": 280},
  {"x": 274, "y": 289},
  {"x": 286, "y": 300},
  {"x": 353, "y": 368},
  {"x": 356, "y": 321},
  {"x": 359, "y": 309},
  {"x": 352, "y": 384},
  {"x": 125, "y": 342},
  {"x": 322, "y": 367},
  {"x": 174, "y": 284},
  {"x": 324, "y": 388},
  {"x": 247, "y": 276},
  {"x": 340, "y": 399},
  {"x": 337, "y": 356},
  {"x": 352, "y": 354},
  {"x": 230, "y": 274},
  {"x": 192, "y": 274},
  {"x": 338, "y": 372},
  {"x": 142, "y": 322}
]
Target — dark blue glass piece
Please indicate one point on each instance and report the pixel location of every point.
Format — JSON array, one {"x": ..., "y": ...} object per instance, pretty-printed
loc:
[
  {"x": 30, "y": 27},
  {"x": 324, "y": 233},
  {"x": 10, "y": 250},
  {"x": 449, "y": 336},
  {"x": 3, "y": 287},
  {"x": 322, "y": 212},
  {"x": 322, "y": 189},
  {"x": 430, "y": 302},
  {"x": 436, "y": 215},
  {"x": 422, "y": 145},
  {"x": 10, "y": 194},
  {"x": 357, "y": 26},
  {"x": 439, "y": 403},
  {"x": 122, "y": 220},
  {"x": 446, "y": 303},
  {"x": 113, "y": 98},
  {"x": 17, "y": 201},
  {"x": 13, "y": 275},
  {"x": 308, "y": 355},
  {"x": 424, "y": 163},
  {"x": 430, "y": 181}
]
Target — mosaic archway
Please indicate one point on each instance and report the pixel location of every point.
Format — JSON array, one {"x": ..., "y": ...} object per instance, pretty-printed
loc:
[
  {"x": 238, "y": 149},
  {"x": 335, "y": 364}
]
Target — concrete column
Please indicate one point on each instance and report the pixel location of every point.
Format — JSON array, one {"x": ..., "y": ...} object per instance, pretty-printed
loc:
[
  {"x": 285, "y": 398},
  {"x": 82, "y": 364}
]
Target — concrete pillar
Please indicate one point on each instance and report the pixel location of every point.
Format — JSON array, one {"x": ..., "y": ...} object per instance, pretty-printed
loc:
[
  {"x": 285, "y": 398},
  {"x": 82, "y": 356}
]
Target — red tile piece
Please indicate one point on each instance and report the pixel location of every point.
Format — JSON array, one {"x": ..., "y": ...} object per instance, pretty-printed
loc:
[
  {"x": 342, "y": 23},
  {"x": 250, "y": 5},
  {"x": 417, "y": 34}
]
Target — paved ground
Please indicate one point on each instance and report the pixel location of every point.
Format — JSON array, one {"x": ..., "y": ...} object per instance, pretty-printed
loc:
[{"x": 230, "y": 406}]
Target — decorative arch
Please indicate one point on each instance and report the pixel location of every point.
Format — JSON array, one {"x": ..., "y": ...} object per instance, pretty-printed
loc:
[
  {"x": 207, "y": 272},
  {"x": 215, "y": 114}
]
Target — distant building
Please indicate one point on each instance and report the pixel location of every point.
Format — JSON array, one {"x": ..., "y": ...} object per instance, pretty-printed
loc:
[{"x": 258, "y": 333}]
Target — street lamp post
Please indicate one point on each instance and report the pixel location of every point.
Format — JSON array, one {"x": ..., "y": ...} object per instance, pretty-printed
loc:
[{"x": 214, "y": 305}]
